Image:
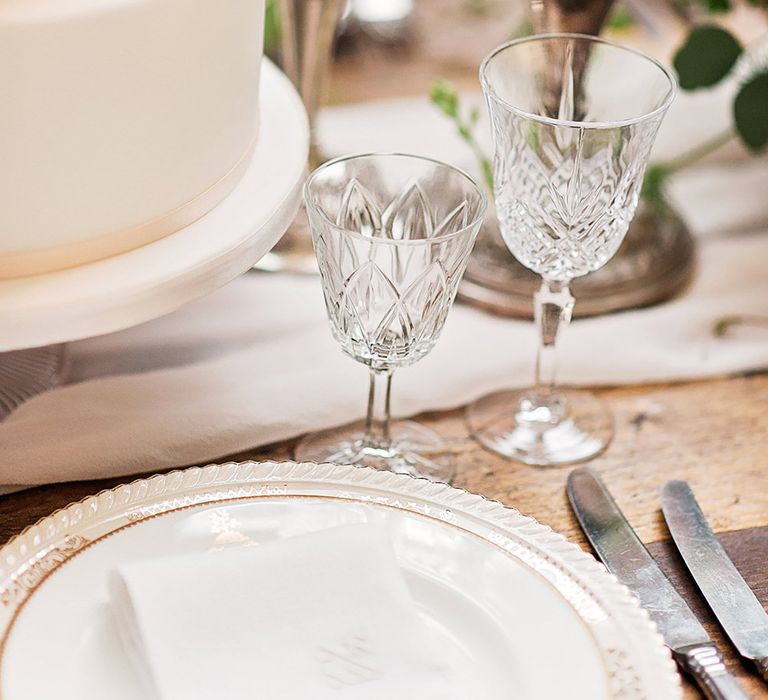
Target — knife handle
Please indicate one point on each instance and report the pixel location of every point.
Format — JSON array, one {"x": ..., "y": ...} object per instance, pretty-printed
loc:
[
  {"x": 704, "y": 663},
  {"x": 762, "y": 667}
]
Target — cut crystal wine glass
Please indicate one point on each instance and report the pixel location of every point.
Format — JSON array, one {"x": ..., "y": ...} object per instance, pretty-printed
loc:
[
  {"x": 392, "y": 235},
  {"x": 574, "y": 118}
]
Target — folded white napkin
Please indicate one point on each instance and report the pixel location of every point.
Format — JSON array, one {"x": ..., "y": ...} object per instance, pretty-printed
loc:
[{"x": 320, "y": 616}]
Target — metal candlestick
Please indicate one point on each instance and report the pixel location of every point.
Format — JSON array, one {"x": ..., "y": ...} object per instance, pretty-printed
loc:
[{"x": 307, "y": 30}]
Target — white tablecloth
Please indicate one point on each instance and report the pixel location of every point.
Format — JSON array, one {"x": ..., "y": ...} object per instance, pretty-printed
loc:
[{"x": 255, "y": 362}]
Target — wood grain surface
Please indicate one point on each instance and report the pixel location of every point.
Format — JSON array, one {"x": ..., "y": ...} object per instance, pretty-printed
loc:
[{"x": 713, "y": 433}]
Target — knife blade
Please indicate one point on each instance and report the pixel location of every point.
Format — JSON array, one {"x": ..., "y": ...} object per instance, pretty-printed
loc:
[
  {"x": 626, "y": 557},
  {"x": 737, "y": 609}
]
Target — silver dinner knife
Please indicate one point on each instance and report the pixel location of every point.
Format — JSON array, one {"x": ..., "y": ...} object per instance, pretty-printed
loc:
[
  {"x": 731, "y": 599},
  {"x": 626, "y": 557}
]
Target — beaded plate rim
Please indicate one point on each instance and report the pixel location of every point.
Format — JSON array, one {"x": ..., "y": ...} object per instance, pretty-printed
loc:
[{"x": 30, "y": 557}]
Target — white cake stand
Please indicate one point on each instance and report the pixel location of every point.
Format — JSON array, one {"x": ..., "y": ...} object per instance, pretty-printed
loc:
[{"x": 44, "y": 311}]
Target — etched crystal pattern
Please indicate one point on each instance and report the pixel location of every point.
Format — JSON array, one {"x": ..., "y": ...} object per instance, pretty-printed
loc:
[
  {"x": 390, "y": 270},
  {"x": 565, "y": 195}
]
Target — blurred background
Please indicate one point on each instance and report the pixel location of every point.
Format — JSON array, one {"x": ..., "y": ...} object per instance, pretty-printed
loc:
[
  {"x": 401, "y": 75},
  {"x": 389, "y": 48}
]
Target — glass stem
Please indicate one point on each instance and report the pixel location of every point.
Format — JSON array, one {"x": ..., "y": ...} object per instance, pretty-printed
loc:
[
  {"x": 553, "y": 304},
  {"x": 377, "y": 433}
]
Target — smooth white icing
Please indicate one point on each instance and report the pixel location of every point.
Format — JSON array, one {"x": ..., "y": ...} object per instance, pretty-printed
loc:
[{"x": 115, "y": 112}]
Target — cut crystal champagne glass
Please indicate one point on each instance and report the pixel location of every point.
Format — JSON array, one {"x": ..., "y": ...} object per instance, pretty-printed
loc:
[
  {"x": 392, "y": 236},
  {"x": 574, "y": 118}
]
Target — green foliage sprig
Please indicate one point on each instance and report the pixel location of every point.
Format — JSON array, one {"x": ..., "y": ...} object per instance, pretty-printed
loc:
[
  {"x": 271, "y": 28},
  {"x": 709, "y": 55},
  {"x": 446, "y": 99}
]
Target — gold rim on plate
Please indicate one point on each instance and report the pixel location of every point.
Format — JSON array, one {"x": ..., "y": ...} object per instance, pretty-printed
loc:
[{"x": 610, "y": 612}]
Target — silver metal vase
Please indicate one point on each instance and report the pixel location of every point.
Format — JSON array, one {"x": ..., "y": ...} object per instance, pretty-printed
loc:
[{"x": 655, "y": 261}]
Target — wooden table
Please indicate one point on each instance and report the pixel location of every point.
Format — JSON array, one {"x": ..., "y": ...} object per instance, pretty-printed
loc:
[{"x": 712, "y": 433}]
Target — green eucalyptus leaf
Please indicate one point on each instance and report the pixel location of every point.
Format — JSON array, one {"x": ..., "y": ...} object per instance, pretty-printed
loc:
[
  {"x": 750, "y": 111},
  {"x": 487, "y": 167},
  {"x": 620, "y": 18},
  {"x": 654, "y": 183},
  {"x": 444, "y": 95},
  {"x": 707, "y": 56},
  {"x": 716, "y": 6},
  {"x": 271, "y": 27}
]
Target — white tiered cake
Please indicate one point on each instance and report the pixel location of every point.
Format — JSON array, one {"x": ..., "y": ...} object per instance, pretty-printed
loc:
[{"x": 121, "y": 121}]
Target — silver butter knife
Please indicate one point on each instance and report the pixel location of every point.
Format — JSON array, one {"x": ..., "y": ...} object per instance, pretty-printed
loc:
[
  {"x": 626, "y": 557},
  {"x": 733, "y": 602}
]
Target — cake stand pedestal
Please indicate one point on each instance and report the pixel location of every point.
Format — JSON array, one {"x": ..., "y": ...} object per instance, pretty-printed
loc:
[{"x": 41, "y": 312}]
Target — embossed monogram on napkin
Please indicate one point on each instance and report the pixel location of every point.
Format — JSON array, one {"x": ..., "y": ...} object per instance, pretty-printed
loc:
[{"x": 348, "y": 663}]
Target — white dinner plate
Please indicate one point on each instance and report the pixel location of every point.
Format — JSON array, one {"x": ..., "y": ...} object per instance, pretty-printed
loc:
[{"x": 525, "y": 614}]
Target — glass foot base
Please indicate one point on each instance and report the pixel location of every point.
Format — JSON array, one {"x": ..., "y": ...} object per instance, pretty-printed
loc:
[
  {"x": 574, "y": 427},
  {"x": 414, "y": 450}
]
